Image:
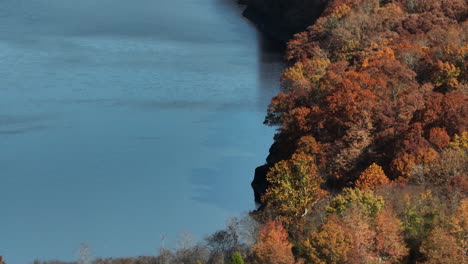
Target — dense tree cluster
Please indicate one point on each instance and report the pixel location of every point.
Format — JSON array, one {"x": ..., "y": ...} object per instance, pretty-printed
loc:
[
  {"x": 380, "y": 82},
  {"x": 273, "y": 245},
  {"x": 375, "y": 100}
]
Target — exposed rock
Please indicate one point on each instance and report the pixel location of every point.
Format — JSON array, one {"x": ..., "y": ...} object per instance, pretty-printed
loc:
[
  {"x": 281, "y": 19},
  {"x": 279, "y": 151}
]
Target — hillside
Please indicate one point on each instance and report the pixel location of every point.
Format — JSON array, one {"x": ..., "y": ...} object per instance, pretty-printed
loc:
[{"x": 369, "y": 164}]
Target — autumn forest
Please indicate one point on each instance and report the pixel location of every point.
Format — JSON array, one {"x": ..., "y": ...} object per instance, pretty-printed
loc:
[
  {"x": 370, "y": 159},
  {"x": 370, "y": 163}
]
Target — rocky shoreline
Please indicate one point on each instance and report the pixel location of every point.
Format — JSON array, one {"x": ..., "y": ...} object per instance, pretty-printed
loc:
[{"x": 278, "y": 30}]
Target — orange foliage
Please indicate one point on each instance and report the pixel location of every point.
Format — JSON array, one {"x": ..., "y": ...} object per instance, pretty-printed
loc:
[
  {"x": 390, "y": 245},
  {"x": 332, "y": 244},
  {"x": 380, "y": 82},
  {"x": 372, "y": 177},
  {"x": 273, "y": 246},
  {"x": 391, "y": 65},
  {"x": 439, "y": 137}
]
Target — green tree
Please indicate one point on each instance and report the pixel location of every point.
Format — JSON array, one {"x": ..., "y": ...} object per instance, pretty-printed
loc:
[
  {"x": 236, "y": 258},
  {"x": 366, "y": 200},
  {"x": 420, "y": 216}
]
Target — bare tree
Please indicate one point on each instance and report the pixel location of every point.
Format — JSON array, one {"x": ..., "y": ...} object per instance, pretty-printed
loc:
[
  {"x": 84, "y": 254},
  {"x": 248, "y": 230},
  {"x": 189, "y": 252}
]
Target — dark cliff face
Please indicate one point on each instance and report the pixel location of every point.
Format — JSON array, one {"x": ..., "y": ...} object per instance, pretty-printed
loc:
[
  {"x": 279, "y": 151},
  {"x": 268, "y": 25},
  {"x": 280, "y": 20}
]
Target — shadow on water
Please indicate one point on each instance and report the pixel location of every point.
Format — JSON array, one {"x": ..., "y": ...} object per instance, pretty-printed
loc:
[
  {"x": 270, "y": 67},
  {"x": 214, "y": 186},
  {"x": 270, "y": 56}
]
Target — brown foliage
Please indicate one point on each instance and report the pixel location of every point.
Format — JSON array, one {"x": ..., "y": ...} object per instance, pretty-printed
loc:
[
  {"x": 440, "y": 247},
  {"x": 390, "y": 245}
]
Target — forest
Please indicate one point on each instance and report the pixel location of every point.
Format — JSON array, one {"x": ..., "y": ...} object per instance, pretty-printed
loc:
[
  {"x": 370, "y": 163},
  {"x": 370, "y": 159}
]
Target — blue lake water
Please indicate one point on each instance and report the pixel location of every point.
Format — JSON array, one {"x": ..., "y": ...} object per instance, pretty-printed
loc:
[{"x": 121, "y": 121}]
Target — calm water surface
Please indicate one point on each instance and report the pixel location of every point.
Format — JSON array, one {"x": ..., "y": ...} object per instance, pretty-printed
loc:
[{"x": 121, "y": 121}]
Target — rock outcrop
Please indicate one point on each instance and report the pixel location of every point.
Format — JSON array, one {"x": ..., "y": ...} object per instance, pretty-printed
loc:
[{"x": 281, "y": 19}]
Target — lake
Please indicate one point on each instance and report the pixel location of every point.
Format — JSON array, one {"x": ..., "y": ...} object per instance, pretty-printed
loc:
[{"x": 125, "y": 121}]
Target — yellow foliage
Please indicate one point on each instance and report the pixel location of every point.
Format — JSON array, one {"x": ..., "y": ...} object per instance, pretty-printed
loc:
[
  {"x": 304, "y": 74},
  {"x": 456, "y": 53},
  {"x": 331, "y": 244},
  {"x": 447, "y": 75},
  {"x": 340, "y": 11},
  {"x": 460, "y": 142},
  {"x": 460, "y": 222},
  {"x": 348, "y": 48},
  {"x": 294, "y": 187}
]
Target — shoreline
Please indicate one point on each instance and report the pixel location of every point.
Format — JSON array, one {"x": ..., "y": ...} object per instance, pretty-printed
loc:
[{"x": 276, "y": 30}]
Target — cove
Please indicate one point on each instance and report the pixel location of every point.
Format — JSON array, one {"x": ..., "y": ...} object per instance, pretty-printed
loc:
[{"x": 124, "y": 121}]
